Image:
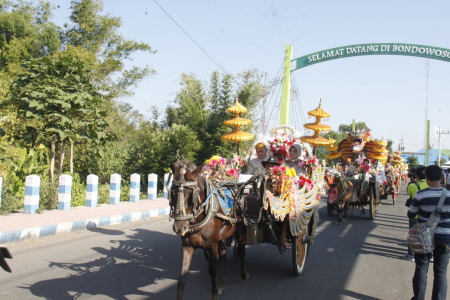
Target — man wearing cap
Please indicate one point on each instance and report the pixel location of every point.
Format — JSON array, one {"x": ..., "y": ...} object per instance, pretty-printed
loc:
[
  {"x": 254, "y": 164},
  {"x": 351, "y": 168}
]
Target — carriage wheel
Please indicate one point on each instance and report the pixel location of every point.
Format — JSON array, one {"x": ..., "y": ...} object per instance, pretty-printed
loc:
[
  {"x": 330, "y": 208},
  {"x": 372, "y": 203},
  {"x": 299, "y": 252}
]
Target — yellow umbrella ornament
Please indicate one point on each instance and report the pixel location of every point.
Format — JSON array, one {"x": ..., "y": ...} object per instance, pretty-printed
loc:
[
  {"x": 237, "y": 135},
  {"x": 315, "y": 140}
]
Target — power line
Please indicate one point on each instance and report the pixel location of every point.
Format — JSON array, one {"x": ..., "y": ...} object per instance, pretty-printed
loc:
[{"x": 190, "y": 37}]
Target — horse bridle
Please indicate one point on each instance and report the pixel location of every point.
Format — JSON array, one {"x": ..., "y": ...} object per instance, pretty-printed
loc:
[{"x": 178, "y": 213}]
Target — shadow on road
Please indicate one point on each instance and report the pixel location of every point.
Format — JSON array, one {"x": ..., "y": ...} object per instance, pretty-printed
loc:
[{"x": 146, "y": 265}]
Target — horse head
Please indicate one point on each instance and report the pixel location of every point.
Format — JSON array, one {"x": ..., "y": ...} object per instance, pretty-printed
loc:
[
  {"x": 185, "y": 195},
  {"x": 332, "y": 180}
]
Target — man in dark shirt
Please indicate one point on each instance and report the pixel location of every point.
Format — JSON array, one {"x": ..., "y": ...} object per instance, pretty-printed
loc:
[{"x": 423, "y": 205}]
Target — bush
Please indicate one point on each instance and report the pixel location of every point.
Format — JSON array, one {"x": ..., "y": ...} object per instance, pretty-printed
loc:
[
  {"x": 10, "y": 200},
  {"x": 103, "y": 193},
  {"x": 48, "y": 195},
  {"x": 78, "y": 191}
]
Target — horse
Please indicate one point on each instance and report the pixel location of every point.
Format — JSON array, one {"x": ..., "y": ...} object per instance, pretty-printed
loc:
[
  {"x": 340, "y": 194},
  {"x": 200, "y": 222}
]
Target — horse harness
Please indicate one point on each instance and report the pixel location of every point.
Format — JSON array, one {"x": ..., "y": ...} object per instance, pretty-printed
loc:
[{"x": 211, "y": 206}]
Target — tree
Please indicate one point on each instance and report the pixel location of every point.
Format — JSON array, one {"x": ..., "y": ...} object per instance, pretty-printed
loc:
[
  {"x": 389, "y": 145},
  {"x": 412, "y": 161},
  {"x": 359, "y": 126},
  {"x": 26, "y": 33},
  {"x": 203, "y": 110},
  {"x": 99, "y": 35},
  {"x": 56, "y": 91}
]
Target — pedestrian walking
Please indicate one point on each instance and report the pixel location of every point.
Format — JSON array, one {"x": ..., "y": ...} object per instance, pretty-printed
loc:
[
  {"x": 423, "y": 205},
  {"x": 417, "y": 183}
]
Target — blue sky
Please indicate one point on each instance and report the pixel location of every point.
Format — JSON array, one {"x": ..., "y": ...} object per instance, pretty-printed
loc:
[{"x": 386, "y": 92}]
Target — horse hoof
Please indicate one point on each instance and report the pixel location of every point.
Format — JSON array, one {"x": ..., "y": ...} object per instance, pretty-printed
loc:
[
  {"x": 220, "y": 291},
  {"x": 245, "y": 276}
]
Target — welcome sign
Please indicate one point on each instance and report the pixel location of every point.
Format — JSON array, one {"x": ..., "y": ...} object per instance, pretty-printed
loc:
[{"x": 371, "y": 49}]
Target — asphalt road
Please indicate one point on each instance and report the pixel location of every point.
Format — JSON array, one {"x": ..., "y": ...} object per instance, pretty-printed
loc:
[{"x": 140, "y": 260}]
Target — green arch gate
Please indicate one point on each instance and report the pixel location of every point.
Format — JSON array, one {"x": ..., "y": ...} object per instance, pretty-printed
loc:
[{"x": 291, "y": 65}]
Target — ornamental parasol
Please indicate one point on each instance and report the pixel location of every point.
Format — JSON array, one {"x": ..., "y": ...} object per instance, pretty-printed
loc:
[
  {"x": 332, "y": 148},
  {"x": 379, "y": 149},
  {"x": 315, "y": 140},
  {"x": 381, "y": 143},
  {"x": 333, "y": 155},
  {"x": 237, "y": 135},
  {"x": 378, "y": 156}
]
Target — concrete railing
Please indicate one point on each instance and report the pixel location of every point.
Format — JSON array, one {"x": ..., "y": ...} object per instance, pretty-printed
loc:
[{"x": 33, "y": 183}]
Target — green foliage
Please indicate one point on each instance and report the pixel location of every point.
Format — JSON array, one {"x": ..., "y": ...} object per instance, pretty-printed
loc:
[
  {"x": 389, "y": 146},
  {"x": 78, "y": 191},
  {"x": 348, "y": 128},
  {"x": 99, "y": 34},
  {"x": 103, "y": 193},
  {"x": 48, "y": 194},
  {"x": 412, "y": 161},
  {"x": 124, "y": 190},
  {"x": 11, "y": 201}
]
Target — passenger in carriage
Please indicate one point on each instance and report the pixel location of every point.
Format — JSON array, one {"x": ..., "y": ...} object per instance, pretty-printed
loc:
[
  {"x": 346, "y": 171},
  {"x": 365, "y": 166},
  {"x": 351, "y": 168},
  {"x": 294, "y": 159},
  {"x": 254, "y": 165}
]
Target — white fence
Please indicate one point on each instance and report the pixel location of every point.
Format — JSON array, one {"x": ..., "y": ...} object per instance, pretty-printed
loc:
[{"x": 33, "y": 183}]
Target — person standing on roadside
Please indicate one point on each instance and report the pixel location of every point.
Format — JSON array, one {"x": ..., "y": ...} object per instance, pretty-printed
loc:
[
  {"x": 423, "y": 205},
  {"x": 417, "y": 183}
]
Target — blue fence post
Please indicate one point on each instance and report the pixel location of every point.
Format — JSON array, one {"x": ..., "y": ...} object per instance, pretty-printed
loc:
[
  {"x": 152, "y": 190},
  {"x": 92, "y": 190},
  {"x": 64, "y": 192},
  {"x": 135, "y": 187},
  {"x": 166, "y": 184},
  {"x": 32, "y": 187},
  {"x": 114, "y": 189}
]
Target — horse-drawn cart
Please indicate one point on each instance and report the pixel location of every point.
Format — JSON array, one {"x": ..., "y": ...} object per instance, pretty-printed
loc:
[
  {"x": 209, "y": 210},
  {"x": 271, "y": 204},
  {"x": 357, "y": 190}
]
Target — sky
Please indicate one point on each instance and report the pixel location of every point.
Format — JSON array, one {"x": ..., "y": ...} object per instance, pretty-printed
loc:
[{"x": 391, "y": 94}]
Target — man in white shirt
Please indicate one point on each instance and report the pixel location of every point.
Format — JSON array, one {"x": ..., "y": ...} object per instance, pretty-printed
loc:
[{"x": 254, "y": 165}]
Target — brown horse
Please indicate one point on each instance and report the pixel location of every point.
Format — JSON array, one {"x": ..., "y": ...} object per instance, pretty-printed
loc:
[
  {"x": 200, "y": 222},
  {"x": 340, "y": 195}
]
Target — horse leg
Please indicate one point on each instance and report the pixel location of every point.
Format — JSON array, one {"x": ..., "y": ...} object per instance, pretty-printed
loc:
[
  {"x": 340, "y": 210},
  {"x": 186, "y": 259},
  {"x": 241, "y": 240},
  {"x": 213, "y": 262},
  {"x": 221, "y": 266}
]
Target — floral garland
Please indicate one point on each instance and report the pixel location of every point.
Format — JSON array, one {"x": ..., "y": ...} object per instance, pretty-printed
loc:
[
  {"x": 312, "y": 163},
  {"x": 308, "y": 183},
  {"x": 280, "y": 144},
  {"x": 218, "y": 167}
]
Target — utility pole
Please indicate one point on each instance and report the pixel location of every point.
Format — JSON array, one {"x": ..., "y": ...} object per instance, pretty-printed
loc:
[
  {"x": 439, "y": 144},
  {"x": 426, "y": 107},
  {"x": 400, "y": 145}
]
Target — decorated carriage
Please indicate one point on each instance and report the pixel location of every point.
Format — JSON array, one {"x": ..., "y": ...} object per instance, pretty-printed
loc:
[
  {"x": 283, "y": 198},
  {"x": 213, "y": 204},
  {"x": 366, "y": 184}
]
